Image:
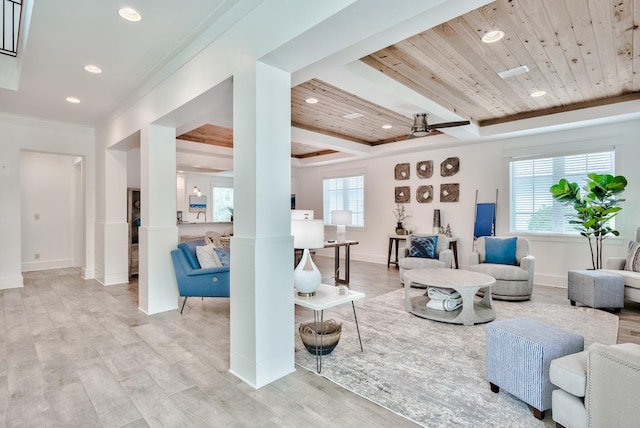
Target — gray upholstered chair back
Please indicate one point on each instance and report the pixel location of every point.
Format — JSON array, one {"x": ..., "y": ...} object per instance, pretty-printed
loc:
[{"x": 522, "y": 248}]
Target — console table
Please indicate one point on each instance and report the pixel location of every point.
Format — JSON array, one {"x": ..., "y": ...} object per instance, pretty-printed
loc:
[
  {"x": 394, "y": 239},
  {"x": 347, "y": 257}
]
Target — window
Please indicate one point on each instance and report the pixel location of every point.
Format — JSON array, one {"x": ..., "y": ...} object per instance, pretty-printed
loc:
[
  {"x": 532, "y": 206},
  {"x": 344, "y": 193},
  {"x": 222, "y": 203},
  {"x": 10, "y": 26}
]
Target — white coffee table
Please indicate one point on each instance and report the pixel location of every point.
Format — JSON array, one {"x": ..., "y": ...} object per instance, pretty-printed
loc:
[
  {"x": 465, "y": 282},
  {"x": 327, "y": 297}
]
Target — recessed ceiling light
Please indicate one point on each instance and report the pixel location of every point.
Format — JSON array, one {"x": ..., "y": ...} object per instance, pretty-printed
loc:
[
  {"x": 536, "y": 94},
  {"x": 387, "y": 126},
  {"x": 311, "y": 100},
  {"x": 93, "y": 69},
  {"x": 73, "y": 100},
  {"x": 353, "y": 116},
  {"x": 129, "y": 14},
  {"x": 493, "y": 36}
]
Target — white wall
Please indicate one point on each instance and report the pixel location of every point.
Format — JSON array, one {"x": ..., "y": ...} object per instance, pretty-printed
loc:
[
  {"x": 19, "y": 134},
  {"x": 483, "y": 167},
  {"x": 47, "y": 186}
]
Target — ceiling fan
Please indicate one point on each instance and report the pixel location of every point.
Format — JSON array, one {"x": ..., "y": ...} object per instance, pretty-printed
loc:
[{"x": 421, "y": 127}]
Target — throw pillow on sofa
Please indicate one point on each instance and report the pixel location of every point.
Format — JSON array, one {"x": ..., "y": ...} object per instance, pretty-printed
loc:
[
  {"x": 223, "y": 256},
  {"x": 207, "y": 257},
  {"x": 633, "y": 257},
  {"x": 500, "y": 251},
  {"x": 423, "y": 246}
]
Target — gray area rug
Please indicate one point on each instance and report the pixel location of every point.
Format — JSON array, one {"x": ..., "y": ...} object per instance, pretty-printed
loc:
[{"x": 434, "y": 373}]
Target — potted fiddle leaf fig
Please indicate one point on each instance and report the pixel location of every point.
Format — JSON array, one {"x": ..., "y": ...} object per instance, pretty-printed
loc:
[{"x": 593, "y": 209}]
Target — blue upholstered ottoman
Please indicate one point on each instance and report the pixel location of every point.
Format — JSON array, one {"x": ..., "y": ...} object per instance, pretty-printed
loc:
[{"x": 519, "y": 353}]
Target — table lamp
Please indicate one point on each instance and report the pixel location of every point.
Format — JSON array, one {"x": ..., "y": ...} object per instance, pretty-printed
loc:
[
  {"x": 341, "y": 218},
  {"x": 307, "y": 234}
]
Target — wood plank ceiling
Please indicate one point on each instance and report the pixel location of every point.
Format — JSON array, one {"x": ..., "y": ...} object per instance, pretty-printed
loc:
[{"x": 581, "y": 53}]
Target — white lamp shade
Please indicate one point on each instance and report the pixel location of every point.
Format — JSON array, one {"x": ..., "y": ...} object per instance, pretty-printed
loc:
[
  {"x": 307, "y": 233},
  {"x": 341, "y": 217}
]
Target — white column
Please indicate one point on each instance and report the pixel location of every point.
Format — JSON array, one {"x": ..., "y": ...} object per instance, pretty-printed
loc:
[
  {"x": 112, "y": 245},
  {"x": 10, "y": 227},
  {"x": 158, "y": 233},
  {"x": 262, "y": 311}
]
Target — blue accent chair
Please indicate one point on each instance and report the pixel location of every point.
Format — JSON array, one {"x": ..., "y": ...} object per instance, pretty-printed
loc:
[{"x": 193, "y": 281}]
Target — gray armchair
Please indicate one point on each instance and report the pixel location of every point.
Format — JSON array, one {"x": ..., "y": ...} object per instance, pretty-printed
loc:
[
  {"x": 598, "y": 387},
  {"x": 444, "y": 257},
  {"x": 513, "y": 282}
]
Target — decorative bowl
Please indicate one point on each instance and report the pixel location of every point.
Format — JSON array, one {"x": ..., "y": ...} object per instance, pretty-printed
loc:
[{"x": 328, "y": 336}]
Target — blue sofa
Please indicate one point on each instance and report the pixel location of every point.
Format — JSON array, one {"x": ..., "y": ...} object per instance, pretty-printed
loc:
[{"x": 193, "y": 281}]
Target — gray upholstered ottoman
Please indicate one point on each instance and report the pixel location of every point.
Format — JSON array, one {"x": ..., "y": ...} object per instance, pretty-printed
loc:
[
  {"x": 519, "y": 353},
  {"x": 596, "y": 289}
]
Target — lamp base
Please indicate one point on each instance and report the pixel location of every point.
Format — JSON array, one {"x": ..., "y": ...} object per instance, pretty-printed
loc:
[{"x": 306, "y": 276}]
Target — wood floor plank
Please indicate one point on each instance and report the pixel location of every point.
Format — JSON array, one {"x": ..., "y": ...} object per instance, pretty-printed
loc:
[
  {"x": 110, "y": 401},
  {"x": 156, "y": 407},
  {"x": 120, "y": 331},
  {"x": 31, "y": 411},
  {"x": 57, "y": 373},
  {"x": 157, "y": 367},
  {"x": 122, "y": 365},
  {"x": 201, "y": 410},
  {"x": 20, "y": 348},
  {"x": 63, "y": 336},
  {"x": 72, "y": 406},
  {"x": 163, "y": 339}
]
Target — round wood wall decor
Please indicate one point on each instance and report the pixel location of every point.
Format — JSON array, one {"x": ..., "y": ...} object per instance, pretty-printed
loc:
[
  {"x": 424, "y": 169},
  {"x": 449, "y": 192},
  {"x": 402, "y": 171},
  {"x": 424, "y": 194},
  {"x": 449, "y": 167},
  {"x": 403, "y": 194}
]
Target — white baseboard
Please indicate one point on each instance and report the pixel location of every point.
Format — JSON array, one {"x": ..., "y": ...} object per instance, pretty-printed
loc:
[
  {"x": 550, "y": 280},
  {"x": 46, "y": 264},
  {"x": 7, "y": 282}
]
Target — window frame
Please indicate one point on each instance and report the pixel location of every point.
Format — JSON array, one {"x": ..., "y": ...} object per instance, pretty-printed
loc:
[
  {"x": 221, "y": 183},
  {"x": 346, "y": 204},
  {"x": 558, "y": 161}
]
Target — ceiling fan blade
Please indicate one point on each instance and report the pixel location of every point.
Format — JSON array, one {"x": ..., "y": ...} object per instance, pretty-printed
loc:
[{"x": 450, "y": 124}]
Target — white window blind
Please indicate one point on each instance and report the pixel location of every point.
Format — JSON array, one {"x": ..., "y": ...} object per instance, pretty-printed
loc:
[
  {"x": 344, "y": 193},
  {"x": 222, "y": 199},
  {"x": 532, "y": 208}
]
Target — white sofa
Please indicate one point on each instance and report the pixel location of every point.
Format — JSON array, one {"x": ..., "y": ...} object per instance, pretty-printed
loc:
[
  {"x": 597, "y": 387},
  {"x": 631, "y": 279}
]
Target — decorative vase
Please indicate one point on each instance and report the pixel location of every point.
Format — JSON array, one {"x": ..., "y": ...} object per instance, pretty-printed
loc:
[
  {"x": 399, "y": 229},
  {"x": 436, "y": 221}
]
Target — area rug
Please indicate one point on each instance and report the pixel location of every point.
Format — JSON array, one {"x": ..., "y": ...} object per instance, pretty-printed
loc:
[{"x": 434, "y": 373}]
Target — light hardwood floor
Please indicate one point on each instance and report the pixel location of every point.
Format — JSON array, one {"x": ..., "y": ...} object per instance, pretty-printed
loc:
[{"x": 77, "y": 354}]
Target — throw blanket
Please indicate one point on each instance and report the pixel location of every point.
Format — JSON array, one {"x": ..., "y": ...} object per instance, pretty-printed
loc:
[{"x": 443, "y": 299}]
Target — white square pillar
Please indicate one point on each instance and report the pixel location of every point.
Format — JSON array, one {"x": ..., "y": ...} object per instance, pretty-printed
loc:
[
  {"x": 262, "y": 309},
  {"x": 158, "y": 233}
]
